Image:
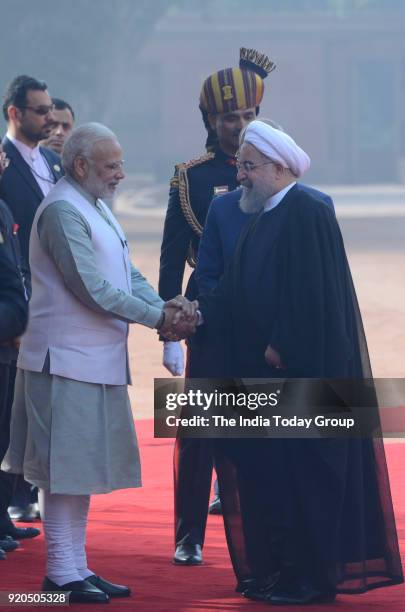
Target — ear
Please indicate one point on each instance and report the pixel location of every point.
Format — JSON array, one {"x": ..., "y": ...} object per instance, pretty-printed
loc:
[
  {"x": 14, "y": 113},
  {"x": 212, "y": 119},
  {"x": 279, "y": 170},
  {"x": 80, "y": 166}
]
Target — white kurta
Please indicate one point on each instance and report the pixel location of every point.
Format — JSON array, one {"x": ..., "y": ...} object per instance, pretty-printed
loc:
[{"x": 70, "y": 436}]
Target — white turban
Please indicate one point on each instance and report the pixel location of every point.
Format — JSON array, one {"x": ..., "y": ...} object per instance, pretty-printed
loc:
[{"x": 278, "y": 146}]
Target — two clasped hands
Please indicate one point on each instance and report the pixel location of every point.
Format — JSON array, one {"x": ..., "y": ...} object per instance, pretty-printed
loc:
[{"x": 179, "y": 319}]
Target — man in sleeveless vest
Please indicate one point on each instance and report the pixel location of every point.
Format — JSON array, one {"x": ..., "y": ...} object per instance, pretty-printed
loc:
[
  {"x": 72, "y": 431},
  {"x": 229, "y": 100}
]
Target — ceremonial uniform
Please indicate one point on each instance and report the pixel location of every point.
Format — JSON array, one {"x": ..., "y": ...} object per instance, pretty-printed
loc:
[{"x": 192, "y": 188}]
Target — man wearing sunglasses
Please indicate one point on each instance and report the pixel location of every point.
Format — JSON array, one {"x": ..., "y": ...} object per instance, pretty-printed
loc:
[
  {"x": 30, "y": 173},
  {"x": 33, "y": 170}
]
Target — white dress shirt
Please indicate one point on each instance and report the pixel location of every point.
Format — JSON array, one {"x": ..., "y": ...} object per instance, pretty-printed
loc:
[
  {"x": 37, "y": 164},
  {"x": 277, "y": 197}
]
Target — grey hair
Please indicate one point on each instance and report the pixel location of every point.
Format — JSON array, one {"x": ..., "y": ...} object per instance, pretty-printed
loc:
[
  {"x": 270, "y": 122},
  {"x": 82, "y": 141}
]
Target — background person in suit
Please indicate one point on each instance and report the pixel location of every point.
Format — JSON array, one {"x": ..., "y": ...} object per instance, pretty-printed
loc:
[
  {"x": 63, "y": 124},
  {"x": 13, "y": 319},
  {"x": 31, "y": 172}
]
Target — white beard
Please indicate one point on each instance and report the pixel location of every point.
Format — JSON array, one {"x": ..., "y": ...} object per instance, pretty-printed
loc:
[{"x": 252, "y": 200}]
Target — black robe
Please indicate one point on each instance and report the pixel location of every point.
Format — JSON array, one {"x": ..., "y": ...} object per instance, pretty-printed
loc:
[{"x": 321, "y": 505}]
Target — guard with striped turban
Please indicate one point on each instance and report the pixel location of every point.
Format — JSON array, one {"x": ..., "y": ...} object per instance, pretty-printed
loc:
[{"x": 229, "y": 100}]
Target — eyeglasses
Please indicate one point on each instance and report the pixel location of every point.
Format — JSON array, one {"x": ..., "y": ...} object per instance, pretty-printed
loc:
[
  {"x": 248, "y": 166},
  {"x": 40, "y": 110}
]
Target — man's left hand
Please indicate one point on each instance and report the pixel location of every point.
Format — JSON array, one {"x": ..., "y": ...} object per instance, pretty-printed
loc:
[
  {"x": 273, "y": 358},
  {"x": 4, "y": 161}
]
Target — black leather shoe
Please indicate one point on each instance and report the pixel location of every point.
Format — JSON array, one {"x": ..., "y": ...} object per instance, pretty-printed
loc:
[
  {"x": 29, "y": 514},
  {"x": 19, "y": 533},
  {"x": 8, "y": 544},
  {"x": 3, "y": 555},
  {"x": 113, "y": 590},
  {"x": 215, "y": 506},
  {"x": 261, "y": 590},
  {"x": 188, "y": 554},
  {"x": 80, "y": 591},
  {"x": 245, "y": 584},
  {"x": 305, "y": 594}
]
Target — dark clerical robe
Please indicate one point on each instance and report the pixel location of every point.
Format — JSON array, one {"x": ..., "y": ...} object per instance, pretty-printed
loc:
[{"x": 322, "y": 506}]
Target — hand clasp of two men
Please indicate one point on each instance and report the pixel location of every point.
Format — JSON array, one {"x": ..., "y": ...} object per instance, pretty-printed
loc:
[{"x": 179, "y": 319}]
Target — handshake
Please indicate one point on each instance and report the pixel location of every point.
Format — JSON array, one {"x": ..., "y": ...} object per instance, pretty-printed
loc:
[{"x": 179, "y": 319}]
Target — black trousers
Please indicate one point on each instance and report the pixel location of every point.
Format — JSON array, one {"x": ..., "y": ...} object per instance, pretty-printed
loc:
[
  {"x": 7, "y": 378},
  {"x": 194, "y": 457},
  {"x": 193, "y": 464}
]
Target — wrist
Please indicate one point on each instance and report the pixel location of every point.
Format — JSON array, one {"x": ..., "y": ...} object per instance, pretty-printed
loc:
[{"x": 161, "y": 321}]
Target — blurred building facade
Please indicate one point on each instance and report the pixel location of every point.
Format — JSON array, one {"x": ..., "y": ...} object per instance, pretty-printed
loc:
[{"x": 339, "y": 88}]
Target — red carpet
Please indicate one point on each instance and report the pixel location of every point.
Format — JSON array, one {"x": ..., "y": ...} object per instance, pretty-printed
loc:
[{"x": 131, "y": 541}]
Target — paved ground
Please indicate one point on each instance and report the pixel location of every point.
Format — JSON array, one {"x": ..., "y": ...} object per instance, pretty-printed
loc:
[{"x": 373, "y": 226}]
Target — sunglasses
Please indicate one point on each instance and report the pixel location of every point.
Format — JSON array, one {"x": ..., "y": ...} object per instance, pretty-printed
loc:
[{"x": 40, "y": 110}]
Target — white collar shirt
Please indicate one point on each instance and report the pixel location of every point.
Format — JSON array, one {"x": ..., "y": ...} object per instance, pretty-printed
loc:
[
  {"x": 37, "y": 164},
  {"x": 277, "y": 197}
]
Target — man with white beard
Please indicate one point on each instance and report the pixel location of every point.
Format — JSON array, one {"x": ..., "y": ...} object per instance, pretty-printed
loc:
[
  {"x": 306, "y": 519},
  {"x": 72, "y": 431},
  {"x": 223, "y": 226}
]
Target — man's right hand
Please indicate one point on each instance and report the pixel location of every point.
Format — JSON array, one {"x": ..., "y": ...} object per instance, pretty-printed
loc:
[
  {"x": 173, "y": 358},
  {"x": 13, "y": 343},
  {"x": 180, "y": 320}
]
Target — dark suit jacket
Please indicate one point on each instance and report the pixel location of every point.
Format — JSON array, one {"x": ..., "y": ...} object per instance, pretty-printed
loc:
[
  {"x": 13, "y": 302},
  {"x": 21, "y": 192},
  {"x": 223, "y": 226}
]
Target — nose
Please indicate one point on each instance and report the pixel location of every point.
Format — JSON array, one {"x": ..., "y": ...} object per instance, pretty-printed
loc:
[
  {"x": 120, "y": 174},
  {"x": 241, "y": 175},
  {"x": 58, "y": 129}
]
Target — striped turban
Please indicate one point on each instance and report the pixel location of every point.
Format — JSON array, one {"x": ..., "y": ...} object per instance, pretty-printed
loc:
[{"x": 236, "y": 88}]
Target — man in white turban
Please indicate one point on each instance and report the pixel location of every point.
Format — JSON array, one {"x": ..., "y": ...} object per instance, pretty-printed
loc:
[
  {"x": 308, "y": 518},
  {"x": 265, "y": 146}
]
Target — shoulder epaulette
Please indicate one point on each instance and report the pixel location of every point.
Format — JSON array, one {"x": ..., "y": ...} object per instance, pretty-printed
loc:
[
  {"x": 184, "y": 193},
  {"x": 174, "y": 181}
]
